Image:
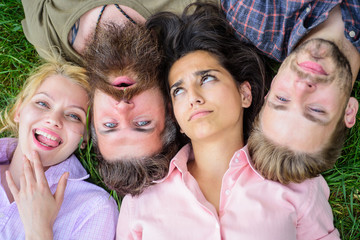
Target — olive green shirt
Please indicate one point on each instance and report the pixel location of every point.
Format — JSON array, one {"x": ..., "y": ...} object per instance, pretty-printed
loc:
[{"x": 47, "y": 23}]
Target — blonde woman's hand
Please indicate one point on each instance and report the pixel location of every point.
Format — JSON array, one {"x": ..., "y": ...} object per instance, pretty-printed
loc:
[{"x": 37, "y": 206}]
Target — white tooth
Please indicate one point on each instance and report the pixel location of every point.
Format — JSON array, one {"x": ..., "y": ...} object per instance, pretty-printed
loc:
[{"x": 46, "y": 135}]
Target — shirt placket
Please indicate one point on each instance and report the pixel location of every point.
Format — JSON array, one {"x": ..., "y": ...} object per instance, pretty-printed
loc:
[{"x": 199, "y": 197}]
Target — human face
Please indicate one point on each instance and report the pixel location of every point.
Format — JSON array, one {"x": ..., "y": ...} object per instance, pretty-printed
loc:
[
  {"x": 206, "y": 99},
  {"x": 307, "y": 98},
  {"x": 53, "y": 121},
  {"x": 129, "y": 128}
]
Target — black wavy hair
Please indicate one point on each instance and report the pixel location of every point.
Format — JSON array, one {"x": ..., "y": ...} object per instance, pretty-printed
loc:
[{"x": 203, "y": 26}]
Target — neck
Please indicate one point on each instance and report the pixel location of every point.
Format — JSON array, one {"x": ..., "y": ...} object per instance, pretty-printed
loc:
[
  {"x": 333, "y": 29},
  {"x": 212, "y": 161},
  {"x": 15, "y": 168},
  {"x": 16, "y": 165},
  {"x": 212, "y": 158}
]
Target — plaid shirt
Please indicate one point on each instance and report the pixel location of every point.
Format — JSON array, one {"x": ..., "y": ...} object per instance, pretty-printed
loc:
[{"x": 276, "y": 26}]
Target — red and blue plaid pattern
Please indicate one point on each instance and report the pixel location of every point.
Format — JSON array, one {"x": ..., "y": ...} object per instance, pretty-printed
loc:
[{"x": 276, "y": 26}]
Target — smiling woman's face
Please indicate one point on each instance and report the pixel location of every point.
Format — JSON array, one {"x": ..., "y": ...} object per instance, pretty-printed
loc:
[
  {"x": 53, "y": 121},
  {"x": 206, "y": 99}
]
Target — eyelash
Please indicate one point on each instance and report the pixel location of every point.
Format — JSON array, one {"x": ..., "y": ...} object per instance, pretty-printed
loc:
[
  {"x": 206, "y": 76},
  {"x": 42, "y": 104},
  {"x": 316, "y": 110},
  {"x": 175, "y": 91},
  {"x": 282, "y": 99},
  {"x": 75, "y": 117},
  {"x": 138, "y": 124},
  {"x": 203, "y": 80},
  {"x": 114, "y": 125}
]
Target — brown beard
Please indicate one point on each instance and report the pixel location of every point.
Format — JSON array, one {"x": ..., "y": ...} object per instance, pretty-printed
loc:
[
  {"x": 343, "y": 75},
  {"x": 120, "y": 94},
  {"x": 129, "y": 50}
]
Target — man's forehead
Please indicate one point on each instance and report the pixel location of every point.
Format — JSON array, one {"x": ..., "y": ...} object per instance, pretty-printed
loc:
[{"x": 294, "y": 132}]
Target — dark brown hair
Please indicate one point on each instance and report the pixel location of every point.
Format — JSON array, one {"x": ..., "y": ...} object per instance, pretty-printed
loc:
[
  {"x": 123, "y": 50},
  {"x": 133, "y": 51},
  {"x": 204, "y": 27},
  {"x": 133, "y": 175}
]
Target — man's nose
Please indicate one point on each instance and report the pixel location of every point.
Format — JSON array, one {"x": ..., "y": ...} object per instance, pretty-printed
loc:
[
  {"x": 124, "y": 105},
  {"x": 303, "y": 87}
]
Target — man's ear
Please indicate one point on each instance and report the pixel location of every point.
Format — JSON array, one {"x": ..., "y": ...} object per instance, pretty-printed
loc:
[
  {"x": 350, "y": 112},
  {"x": 245, "y": 91}
]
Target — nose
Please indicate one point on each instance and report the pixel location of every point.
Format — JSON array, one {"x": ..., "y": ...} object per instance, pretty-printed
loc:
[
  {"x": 303, "y": 87},
  {"x": 54, "y": 119},
  {"x": 124, "y": 105},
  {"x": 195, "y": 97}
]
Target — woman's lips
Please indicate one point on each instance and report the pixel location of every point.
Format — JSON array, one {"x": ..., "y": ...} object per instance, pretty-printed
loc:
[
  {"x": 46, "y": 139},
  {"x": 199, "y": 114}
]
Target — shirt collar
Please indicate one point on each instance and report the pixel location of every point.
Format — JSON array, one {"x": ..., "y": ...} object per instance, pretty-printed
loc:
[
  {"x": 179, "y": 161},
  {"x": 7, "y": 148},
  {"x": 72, "y": 165},
  {"x": 240, "y": 158}
]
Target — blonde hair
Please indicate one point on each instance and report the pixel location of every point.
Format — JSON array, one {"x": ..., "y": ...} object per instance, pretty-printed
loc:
[
  {"x": 72, "y": 72},
  {"x": 280, "y": 163}
]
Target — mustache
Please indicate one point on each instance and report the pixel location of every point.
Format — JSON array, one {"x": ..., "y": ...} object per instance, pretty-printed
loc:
[
  {"x": 122, "y": 94},
  {"x": 314, "y": 79}
]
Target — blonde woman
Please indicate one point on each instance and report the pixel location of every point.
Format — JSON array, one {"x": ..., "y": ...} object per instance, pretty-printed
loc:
[{"x": 48, "y": 121}]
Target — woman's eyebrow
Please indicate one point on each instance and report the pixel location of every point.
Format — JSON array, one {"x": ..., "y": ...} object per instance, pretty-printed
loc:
[{"x": 176, "y": 84}]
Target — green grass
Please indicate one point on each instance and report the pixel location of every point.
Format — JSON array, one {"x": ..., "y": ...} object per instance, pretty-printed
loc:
[{"x": 18, "y": 58}]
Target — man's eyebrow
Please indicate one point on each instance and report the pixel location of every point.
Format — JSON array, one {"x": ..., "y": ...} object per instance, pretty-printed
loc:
[
  {"x": 143, "y": 130},
  {"x": 307, "y": 115},
  {"x": 107, "y": 131},
  {"x": 276, "y": 106},
  {"x": 315, "y": 119}
]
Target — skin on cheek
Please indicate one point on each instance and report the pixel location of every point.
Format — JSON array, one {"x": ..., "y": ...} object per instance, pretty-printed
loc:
[{"x": 77, "y": 131}]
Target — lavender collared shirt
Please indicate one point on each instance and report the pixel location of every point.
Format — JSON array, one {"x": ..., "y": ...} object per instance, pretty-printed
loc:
[
  {"x": 87, "y": 212},
  {"x": 251, "y": 207}
]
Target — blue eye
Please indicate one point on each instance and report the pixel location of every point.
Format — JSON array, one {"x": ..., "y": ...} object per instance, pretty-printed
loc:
[
  {"x": 110, "y": 125},
  {"x": 317, "y": 110},
  {"x": 75, "y": 117},
  {"x": 282, "y": 99},
  {"x": 42, "y": 104},
  {"x": 142, "y": 123}
]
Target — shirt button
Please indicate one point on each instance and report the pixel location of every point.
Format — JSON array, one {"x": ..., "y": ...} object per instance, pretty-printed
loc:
[
  {"x": 217, "y": 226},
  {"x": 308, "y": 9},
  {"x": 352, "y": 34},
  {"x": 227, "y": 192},
  {"x": 236, "y": 160}
]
